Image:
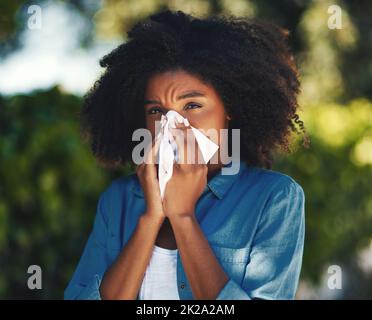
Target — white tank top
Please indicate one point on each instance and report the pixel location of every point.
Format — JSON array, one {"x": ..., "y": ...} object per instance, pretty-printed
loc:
[{"x": 160, "y": 279}]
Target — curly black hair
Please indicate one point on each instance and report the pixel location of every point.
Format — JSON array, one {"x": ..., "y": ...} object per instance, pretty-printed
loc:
[{"x": 246, "y": 60}]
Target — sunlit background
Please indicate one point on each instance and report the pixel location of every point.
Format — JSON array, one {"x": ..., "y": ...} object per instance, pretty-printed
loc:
[{"x": 50, "y": 183}]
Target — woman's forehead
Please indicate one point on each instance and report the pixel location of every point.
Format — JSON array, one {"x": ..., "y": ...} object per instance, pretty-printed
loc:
[{"x": 179, "y": 82}]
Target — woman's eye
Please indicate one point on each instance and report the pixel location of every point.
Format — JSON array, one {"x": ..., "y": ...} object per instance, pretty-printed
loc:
[
  {"x": 154, "y": 110},
  {"x": 193, "y": 106}
]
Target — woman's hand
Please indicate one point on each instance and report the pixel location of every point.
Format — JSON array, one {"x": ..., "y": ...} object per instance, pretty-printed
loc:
[
  {"x": 147, "y": 175},
  {"x": 188, "y": 180}
]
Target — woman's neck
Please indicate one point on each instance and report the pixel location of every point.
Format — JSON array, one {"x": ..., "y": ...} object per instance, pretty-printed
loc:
[{"x": 213, "y": 169}]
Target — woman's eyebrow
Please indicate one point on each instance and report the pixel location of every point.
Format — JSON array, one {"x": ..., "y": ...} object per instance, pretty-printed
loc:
[{"x": 191, "y": 94}]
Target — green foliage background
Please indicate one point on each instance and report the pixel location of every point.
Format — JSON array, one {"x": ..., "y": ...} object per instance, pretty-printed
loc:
[{"x": 49, "y": 189}]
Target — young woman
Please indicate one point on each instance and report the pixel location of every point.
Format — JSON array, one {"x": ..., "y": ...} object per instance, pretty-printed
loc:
[{"x": 213, "y": 236}]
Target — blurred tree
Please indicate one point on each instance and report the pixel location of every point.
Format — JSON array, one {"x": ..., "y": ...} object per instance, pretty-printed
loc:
[
  {"x": 321, "y": 57},
  {"x": 336, "y": 174},
  {"x": 9, "y": 39},
  {"x": 356, "y": 66},
  {"x": 335, "y": 64},
  {"x": 49, "y": 187},
  {"x": 14, "y": 17}
]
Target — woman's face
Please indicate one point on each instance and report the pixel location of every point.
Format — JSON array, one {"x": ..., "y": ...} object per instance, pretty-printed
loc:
[{"x": 189, "y": 96}]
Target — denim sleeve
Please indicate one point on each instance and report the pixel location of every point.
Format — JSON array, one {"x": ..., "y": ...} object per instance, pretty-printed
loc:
[
  {"x": 86, "y": 280},
  {"x": 274, "y": 267}
]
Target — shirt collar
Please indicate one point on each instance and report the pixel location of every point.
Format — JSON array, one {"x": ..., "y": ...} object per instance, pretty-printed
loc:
[
  {"x": 221, "y": 183},
  {"x": 218, "y": 184}
]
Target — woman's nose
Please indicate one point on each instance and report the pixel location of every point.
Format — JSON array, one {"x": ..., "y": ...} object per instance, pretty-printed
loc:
[{"x": 170, "y": 108}]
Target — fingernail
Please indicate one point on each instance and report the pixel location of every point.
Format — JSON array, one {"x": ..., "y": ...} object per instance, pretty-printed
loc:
[{"x": 186, "y": 122}]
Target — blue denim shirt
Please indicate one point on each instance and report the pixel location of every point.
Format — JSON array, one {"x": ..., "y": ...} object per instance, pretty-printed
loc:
[{"x": 254, "y": 222}]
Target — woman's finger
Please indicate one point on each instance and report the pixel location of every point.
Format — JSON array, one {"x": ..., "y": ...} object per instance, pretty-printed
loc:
[
  {"x": 198, "y": 154},
  {"x": 150, "y": 167},
  {"x": 151, "y": 151},
  {"x": 139, "y": 167}
]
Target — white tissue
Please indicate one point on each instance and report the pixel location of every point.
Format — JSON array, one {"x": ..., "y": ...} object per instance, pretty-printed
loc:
[{"x": 168, "y": 148}]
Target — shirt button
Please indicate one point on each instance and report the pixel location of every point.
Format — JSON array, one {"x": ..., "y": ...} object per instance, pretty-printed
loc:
[{"x": 182, "y": 286}]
